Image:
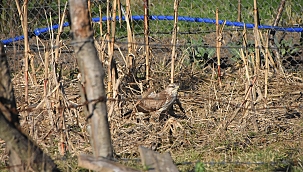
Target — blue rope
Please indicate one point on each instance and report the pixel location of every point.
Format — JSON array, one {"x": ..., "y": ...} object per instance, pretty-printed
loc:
[{"x": 40, "y": 31}]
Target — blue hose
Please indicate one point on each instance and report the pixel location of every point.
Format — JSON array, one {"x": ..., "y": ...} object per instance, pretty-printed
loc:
[{"x": 40, "y": 31}]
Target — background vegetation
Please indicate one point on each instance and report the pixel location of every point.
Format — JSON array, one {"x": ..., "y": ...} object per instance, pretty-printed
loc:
[{"x": 198, "y": 143}]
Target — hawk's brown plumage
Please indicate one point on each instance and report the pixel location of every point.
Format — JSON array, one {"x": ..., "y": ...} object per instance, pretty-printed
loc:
[{"x": 160, "y": 102}]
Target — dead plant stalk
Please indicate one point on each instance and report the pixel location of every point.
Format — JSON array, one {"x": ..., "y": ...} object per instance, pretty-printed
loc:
[
  {"x": 58, "y": 44},
  {"x": 100, "y": 21},
  {"x": 218, "y": 45},
  {"x": 174, "y": 40},
  {"x": 239, "y": 11},
  {"x": 46, "y": 65},
  {"x": 257, "y": 38},
  {"x": 102, "y": 37},
  {"x": 266, "y": 69},
  {"x": 146, "y": 37},
  {"x": 23, "y": 19},
  {"x": 272, "y": 35},
  {"x": 119, "y": 12},
  {"x": 249, "y": 90},
  {"x": 112, "y": 31},
  {"x": 130, "y": 39}
]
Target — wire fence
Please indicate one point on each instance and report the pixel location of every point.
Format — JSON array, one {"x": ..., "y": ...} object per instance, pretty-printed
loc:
[{"x": 196, "y": 27}]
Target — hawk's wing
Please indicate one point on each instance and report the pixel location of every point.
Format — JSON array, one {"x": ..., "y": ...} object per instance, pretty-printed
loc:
[{"x": 153, "y": 102}]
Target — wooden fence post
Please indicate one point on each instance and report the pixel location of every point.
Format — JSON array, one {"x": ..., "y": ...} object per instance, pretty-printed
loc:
[{"x": 92, "y": 73}]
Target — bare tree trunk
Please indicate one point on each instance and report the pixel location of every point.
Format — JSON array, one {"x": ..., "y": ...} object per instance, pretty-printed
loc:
[
  {"x": 92, "y": 78},
  {"x": 7, "y": 97},
  {"x": 7, "y": 100},
  {"x": 23, "y": 153},
  {"x": 32, "y": 157}
]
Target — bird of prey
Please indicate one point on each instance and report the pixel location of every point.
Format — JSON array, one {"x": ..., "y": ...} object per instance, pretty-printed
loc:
[{"x": 159, "y": 102}]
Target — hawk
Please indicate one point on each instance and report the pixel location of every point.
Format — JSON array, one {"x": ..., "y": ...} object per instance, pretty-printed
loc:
[{"x": 159, "y": 102}]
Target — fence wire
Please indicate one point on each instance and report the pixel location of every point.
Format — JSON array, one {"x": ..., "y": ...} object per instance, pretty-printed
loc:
[{"x": 198, "y": 37}]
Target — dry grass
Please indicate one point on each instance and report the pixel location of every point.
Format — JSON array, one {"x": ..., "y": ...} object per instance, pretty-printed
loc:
[{"x": 200, "y": 137}]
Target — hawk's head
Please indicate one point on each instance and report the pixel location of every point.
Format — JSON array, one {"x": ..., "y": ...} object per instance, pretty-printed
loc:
[{"x": 172, "y": 89}]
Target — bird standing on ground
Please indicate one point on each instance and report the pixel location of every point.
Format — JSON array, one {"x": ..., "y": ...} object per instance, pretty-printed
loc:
[{"x": 160, "y": 102}]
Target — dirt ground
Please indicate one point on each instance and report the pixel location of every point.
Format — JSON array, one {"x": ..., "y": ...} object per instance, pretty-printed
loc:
[{"x": 236, "y": 122}]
